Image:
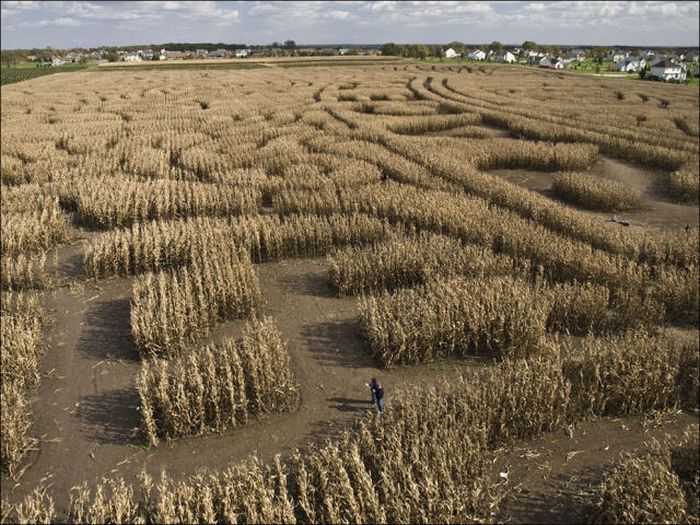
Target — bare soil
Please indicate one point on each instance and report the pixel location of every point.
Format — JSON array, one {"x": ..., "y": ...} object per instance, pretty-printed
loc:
[
  {"x": 552, "y": 479},
  {"x": 86, "y": 408},
  {"x": 658, "y": 211}
]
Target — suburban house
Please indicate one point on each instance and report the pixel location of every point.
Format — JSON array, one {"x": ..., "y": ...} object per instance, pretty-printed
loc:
[
  {"x": 132, "y": 57},
  {"x": 668, "y": 71},
  {"x": 533, "y": 57},
  {"x": 631, "y": 64},
  {"x": 506, "y": 57},
  {"x": 57, "y": 61},
  {"x": 451, "y": 53},
  {"x": 577, "y": 54},
  {"x": 615, "y": 56},
  {"x": 477, "y": 55},
  {"x": 145, "y": 54},
  {"x": 554, "y": 63},
  {"x": 241, "y": 53},
  {"x": 692, "y": 56},
  {"x": 201, "y": 53},
  {"x": 219, "y": 53}
]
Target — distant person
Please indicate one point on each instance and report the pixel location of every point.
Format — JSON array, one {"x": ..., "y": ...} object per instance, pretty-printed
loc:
[{"x": 377, "y": 394}]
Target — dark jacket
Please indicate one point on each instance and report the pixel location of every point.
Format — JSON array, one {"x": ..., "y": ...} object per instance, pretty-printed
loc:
[{"x": 378, "y": 392}]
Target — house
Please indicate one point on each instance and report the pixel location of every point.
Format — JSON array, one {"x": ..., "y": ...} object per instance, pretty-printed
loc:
[
  {"x": 507, "y": 57},
  {"x": 615, "y": 56},
  {"x": 691, "y": 57},
  {"x": 343, "y": 50},
  {"x": 132, "y": 57},
  {"x": 576, "y": 54},
  {"x": 668, "y": 71},
  {"x": 477, "y": 55},
  {"x": 219, "y": 53},
  {"x": 57, "y": 61},
  {"x": 553, "y": 63},
  {"x": 201, "y": 53},
  {"x": 242, "y": 53},
  {"x": 451, "y": 53},
  {"x": 533, "y": 57},
  {"x": 631, "y": 64}
]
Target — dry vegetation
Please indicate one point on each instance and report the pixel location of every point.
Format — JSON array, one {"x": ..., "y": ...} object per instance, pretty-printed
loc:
[
  {"x": 659, "y": 487},
  {"x": 590, "y": 192},
  {"x": 191, "y": 179},
  {"x": 217, "y": 387},
  {"x": 171, "y": 309},
  {"x": 20, "y": 349}
]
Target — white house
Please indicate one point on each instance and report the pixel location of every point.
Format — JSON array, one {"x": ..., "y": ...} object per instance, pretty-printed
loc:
[
  {"x": 631, "y": 64},
  {"x": 533, "y": 57},
  {"x": 668, "y": 71},
  {"x": 241, "y": 53},
  {"x": 506, "y": 57},
  {"x": 132, "y": 57},
  {"x": 553, "y": 63},
  {"x": 451, "y": 53},
  {"x": 57, "y": 61},
  {"x": 477, "y": 55}
]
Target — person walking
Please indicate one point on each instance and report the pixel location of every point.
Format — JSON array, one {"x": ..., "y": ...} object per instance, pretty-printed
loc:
[{"x": 377, "y": 394}]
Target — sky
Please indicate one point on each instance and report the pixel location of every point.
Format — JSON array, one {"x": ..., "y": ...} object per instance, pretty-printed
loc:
[{"x": 27, "y": 24}]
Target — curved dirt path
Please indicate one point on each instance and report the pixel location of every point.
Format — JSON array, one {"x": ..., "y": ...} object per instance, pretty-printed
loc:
[
  {"x": 552, "y": 479},
  {"x": 86, "y": 407}
]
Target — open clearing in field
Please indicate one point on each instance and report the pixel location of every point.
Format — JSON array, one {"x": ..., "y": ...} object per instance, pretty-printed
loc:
[
  {"x": 658, "y": 210},
  {"x": 387, "y": 214}
]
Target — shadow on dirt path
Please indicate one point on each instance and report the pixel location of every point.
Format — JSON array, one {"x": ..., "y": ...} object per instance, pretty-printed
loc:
[{"x": 86, "y": 410}]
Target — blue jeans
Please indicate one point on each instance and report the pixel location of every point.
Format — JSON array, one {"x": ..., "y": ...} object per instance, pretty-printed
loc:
[{"x": 380, "y": 405}]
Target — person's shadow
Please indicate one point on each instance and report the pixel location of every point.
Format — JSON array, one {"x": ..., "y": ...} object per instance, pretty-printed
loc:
[{"x": 344, "y": 404}]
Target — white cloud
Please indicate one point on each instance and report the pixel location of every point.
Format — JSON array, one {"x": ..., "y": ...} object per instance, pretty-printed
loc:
[
  {"x": 339, "y": 15},
  {"x": 62, "y": 21}
]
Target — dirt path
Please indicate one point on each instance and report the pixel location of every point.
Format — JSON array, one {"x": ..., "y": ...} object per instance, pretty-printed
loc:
[
  {"x": 86, "y": 407},
  {"x": 551, "y": 479},
  {"x": 658, "y": 211}
]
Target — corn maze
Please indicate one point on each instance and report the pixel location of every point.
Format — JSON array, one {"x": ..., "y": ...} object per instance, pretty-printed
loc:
[{"x": 186, "y": 185}]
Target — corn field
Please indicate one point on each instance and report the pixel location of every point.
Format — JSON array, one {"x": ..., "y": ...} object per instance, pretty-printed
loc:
[
  {"x": 658, "y": 487},
  {"x": 592, "y": 193},
  {"x": 218, "y": 387},
  {"x": 410, "y": 182},
  {"x": 171, "y": 309}
]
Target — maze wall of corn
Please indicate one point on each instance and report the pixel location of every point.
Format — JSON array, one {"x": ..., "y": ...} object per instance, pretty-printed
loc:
[{"x": 534, "y": 230}]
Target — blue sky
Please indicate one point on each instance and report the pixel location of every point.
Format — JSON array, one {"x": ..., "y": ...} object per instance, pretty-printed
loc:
[{"x": 28, "y": 24}]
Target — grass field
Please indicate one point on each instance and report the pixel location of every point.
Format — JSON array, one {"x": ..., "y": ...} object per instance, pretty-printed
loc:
[
  {"x": 28, "y": 70},
  {"x": 204, "y": 264}
]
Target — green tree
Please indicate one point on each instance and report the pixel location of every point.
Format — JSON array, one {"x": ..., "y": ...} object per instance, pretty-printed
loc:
[
  {"x": 496, "y": 47},
  {"x": 459, "y": 47},
  {"x": 290, "y": 44},
  {"x": 418, "y": 51},
  {"x": 529, "y": 45},
  {"x": 392, "y": 50}
]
